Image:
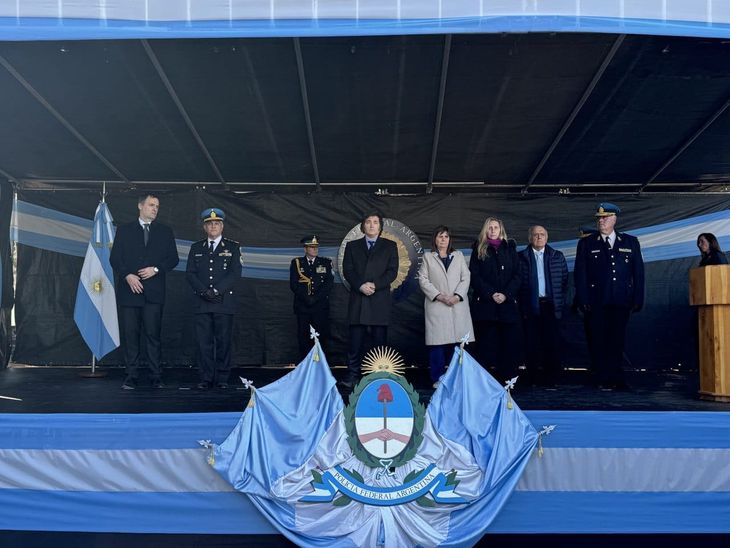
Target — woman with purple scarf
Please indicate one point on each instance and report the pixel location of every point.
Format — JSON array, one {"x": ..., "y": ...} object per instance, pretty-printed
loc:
[{"x": 495, "y": 279}]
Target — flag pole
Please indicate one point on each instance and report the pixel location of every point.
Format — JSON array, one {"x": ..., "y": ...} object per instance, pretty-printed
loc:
[{"x": 94, "y": 374}]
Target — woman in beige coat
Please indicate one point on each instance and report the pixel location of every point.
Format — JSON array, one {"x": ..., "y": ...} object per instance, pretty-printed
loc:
[{"x": 444, "y": 279}]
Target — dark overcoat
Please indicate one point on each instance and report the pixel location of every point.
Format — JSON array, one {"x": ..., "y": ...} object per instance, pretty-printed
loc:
[
  {"x": 497, "y": 272},
  {"x": 713, "y": 258},
  {"x": 378, "y": 265},
  {"x": 129, "y": 254}
]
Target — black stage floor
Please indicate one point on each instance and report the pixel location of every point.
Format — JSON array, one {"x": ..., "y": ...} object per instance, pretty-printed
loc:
[
  {"x": 64, "y": 390},
  {"x": 34, "y": 539}
]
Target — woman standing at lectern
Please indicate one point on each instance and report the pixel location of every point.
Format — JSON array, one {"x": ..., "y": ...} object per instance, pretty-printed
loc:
[{"x": 710, "y": 251}]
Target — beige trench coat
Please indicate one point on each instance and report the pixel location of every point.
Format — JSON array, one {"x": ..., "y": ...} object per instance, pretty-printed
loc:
[{"x": 445, "y": 324}]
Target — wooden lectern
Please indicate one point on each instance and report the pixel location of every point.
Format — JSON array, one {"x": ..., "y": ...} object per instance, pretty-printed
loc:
[{"x": 709, "y": 290}]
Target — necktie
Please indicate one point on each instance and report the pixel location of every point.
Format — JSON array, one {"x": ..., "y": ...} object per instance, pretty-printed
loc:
[
  {"x": 370, "y": 245},
  {"x": 146, "y": 233},
  {"x": 608, "y": 242},
  {"x": 212, "y": 246}
]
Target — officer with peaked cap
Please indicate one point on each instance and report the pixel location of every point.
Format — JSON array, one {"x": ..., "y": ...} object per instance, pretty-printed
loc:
[
  {"x": 214, "y": 269},
  {"x": 311, "y": 280},
  {"x": 609, "y": 286}
]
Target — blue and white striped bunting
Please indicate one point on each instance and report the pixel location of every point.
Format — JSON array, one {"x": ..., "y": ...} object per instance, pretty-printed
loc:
[
  {"x": 602, "y": 472},
  {"x": 53, "y": 230}
]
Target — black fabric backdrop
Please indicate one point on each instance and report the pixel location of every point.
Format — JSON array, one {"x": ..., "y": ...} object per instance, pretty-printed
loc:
[
  {"x": 6, "y": 291},
  {"x": 660, "y": 336}
]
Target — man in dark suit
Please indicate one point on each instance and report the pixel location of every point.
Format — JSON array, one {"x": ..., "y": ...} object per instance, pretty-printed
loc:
[
  {"x": 213, "y": 269},
  {"x": 609, "y": 285},
  {"x": 142, "y": 254},
  {"x": 543, "y": 290},
  {"x": 311, "y": 280},
  {"x": 370, "y": 265}
]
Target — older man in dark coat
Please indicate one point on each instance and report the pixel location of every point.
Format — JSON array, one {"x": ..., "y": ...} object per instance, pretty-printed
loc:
[
  {"x": 143, "y": 252},
  {"x": 370, "y": 265},
  {"x": 544, "y": 273},
  {"x": 609, "y": 286}
]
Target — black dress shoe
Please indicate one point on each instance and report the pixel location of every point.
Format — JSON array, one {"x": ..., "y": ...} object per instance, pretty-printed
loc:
[
  {"x": 157, "y": 383},
  {"x": 205, "y": 385},
  {"x": 129, "y": 384},
  {"x": 222, "y": 385}
]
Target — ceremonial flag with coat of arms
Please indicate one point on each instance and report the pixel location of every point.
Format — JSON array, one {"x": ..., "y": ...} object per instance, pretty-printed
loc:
[
  {"x": 95, "y": 312},
  {"x": 381, "y": 471}
]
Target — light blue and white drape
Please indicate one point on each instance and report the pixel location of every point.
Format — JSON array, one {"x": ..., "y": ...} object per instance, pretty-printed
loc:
[{"x": 296, "y": 425}]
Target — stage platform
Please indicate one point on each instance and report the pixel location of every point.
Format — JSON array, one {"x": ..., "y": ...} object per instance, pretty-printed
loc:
[
  {"x": 85, "y": 463},
  {"x": 64, "y": 390}
]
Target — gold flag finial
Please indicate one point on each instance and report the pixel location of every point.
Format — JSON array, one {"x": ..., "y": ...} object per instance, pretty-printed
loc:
[
  {"x": 464, "y": 342},
  {"x": 315, "y": 336},
  {"x": 508, "y": 386},
  {"x": 546, "y": 431}
]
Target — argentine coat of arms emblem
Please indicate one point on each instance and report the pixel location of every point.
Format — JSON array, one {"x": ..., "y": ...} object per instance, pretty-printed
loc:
[{"x": 384, "y": 422}]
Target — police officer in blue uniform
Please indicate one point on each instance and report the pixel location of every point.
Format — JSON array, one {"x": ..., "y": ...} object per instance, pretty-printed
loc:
[
  {"x": 214, "y": 268},
  {"x": 310, "y": 279},
  {"x": 609, "y": 285}
]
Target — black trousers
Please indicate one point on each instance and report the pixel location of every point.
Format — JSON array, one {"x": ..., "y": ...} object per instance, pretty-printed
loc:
[
  {"x": 499, "y": 347},
  {"x": 214, "y": 331},
  {"x": 362, "y": 339},
  {"x": 607, "y": 336},
  {"x": 542, "y": 338},
  {"x": 320, "y": 320},
  {"x": 141, "y": 322}
]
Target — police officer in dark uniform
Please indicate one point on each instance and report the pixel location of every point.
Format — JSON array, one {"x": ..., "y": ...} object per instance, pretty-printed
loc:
[
  {"x": 310, "y": 279},
  {"x": 214, "y": 268},
  {"x": 609, "y": 285}
]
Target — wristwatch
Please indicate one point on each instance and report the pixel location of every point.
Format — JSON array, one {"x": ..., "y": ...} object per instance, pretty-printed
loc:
[{"x": 155, "y": 269}]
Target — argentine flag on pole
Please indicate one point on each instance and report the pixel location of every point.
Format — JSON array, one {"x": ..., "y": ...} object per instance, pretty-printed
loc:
[{"x": 95, "y": 312}]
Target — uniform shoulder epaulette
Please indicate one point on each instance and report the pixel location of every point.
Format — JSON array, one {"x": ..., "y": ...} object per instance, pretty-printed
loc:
[
  {"x": 232, "y": 241},
  {"x": 204, "y": 240}
]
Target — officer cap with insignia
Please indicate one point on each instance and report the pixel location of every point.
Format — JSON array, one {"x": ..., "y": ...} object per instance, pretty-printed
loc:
[
  {"x": 310, "y": 240},
  {"x": 212, "y": 214},
  {"x": 606, "y": 210}
]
